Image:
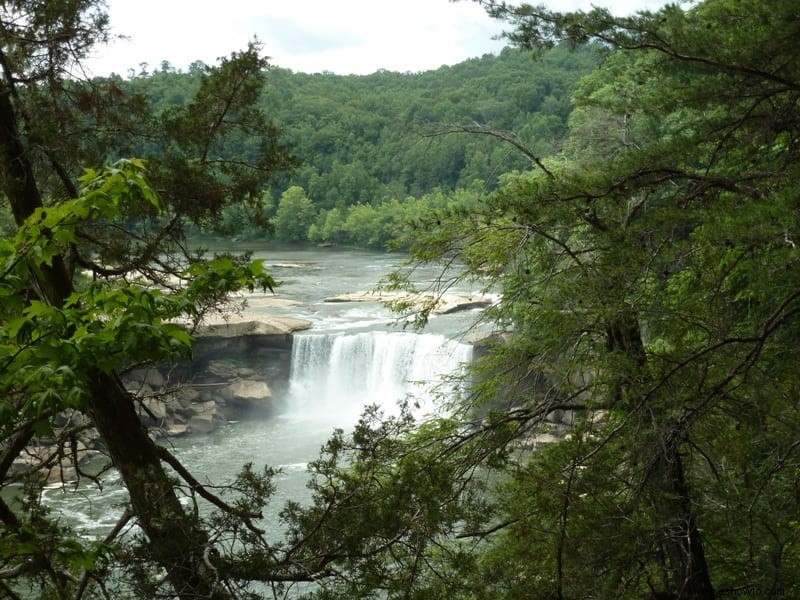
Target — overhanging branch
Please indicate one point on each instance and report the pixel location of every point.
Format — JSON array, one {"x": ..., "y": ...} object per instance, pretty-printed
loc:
[{"x": 504, "y": 136}]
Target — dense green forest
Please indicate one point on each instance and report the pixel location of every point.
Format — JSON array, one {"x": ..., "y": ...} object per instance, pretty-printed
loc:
[
  {"x": 375, "y": 147},
  {"x": 642, "y": 230}
]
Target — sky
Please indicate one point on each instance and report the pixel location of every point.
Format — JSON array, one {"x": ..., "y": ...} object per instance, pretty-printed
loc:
[{"x": 311, "y": 36}]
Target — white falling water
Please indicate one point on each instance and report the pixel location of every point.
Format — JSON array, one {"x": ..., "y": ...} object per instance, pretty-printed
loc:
[{"x": 334, "y": 376}]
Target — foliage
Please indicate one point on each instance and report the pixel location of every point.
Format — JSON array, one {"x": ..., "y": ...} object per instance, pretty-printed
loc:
[
  {"x": 49, "y": 354},
  {"x": 649, "y": 278},
  {"x": 102, "y": 325},
  {"x": 369, "y": 140},
  {"x": 207, "y": 166},
  {"x": 294, "y": 216},
  {"x": 65, "y": 334}
]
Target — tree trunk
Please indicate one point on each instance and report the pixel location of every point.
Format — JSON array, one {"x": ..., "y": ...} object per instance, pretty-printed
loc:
[
  {"x": 665, "y": 482},
  {"x": 177, "y": 542},
  {"x": 679, "y": 536}
]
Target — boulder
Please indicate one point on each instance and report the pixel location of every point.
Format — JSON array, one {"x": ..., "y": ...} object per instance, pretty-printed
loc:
[
  {"x": 201, "y": 408},
  {"x": 185, "y": 395},
  {"x": 203, "y": 423},
  {"x": 154, "y": 408},
  {"x": 177, "y": 429},
  {"x": 205, "y": 417},
  {"x": 138, "y": 388},
  {"x": 60, "y": 467},
  {"x": 70, "y": 418},
  {"x": 147, "y": 376},
  {"x": 246, "y": 391},
  {"x": 247, "y": 398}
]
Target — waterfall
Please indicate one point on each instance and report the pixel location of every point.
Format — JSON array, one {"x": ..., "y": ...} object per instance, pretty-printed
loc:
[{"x": 333, "y": 376}]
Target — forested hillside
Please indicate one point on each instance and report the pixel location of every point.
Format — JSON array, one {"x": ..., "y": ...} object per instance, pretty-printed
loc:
[{"x": 372, "y": 147}]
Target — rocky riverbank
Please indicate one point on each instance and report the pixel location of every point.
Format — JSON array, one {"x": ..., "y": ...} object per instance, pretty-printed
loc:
[
  {"x": 241, "y": 365},
  {"x": 240, "y": 371}
]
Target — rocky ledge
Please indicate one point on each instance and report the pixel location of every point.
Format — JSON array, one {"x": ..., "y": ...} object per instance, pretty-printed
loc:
[
  {"x": 242, "y": 332},
  {"x": 238, "y": 362},
  {"x": 441, "y": 304},
  {"x": 251, "y": 323},
  {"x": 226, "y": 392}
]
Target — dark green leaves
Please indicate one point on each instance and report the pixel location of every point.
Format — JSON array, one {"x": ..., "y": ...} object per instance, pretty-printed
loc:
[{"x": 46, "y": 351}]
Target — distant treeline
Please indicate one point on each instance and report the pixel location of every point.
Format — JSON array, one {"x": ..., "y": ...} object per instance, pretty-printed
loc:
[{"x": 373, "y": 148}]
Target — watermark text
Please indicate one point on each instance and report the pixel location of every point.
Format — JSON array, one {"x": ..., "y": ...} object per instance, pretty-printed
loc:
[{"x": 750, "y": 591}]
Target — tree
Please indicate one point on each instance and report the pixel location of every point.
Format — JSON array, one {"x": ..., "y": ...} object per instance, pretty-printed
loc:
[
  {"x": 63, "y": 340},
  {"x": 650, "y": 289},
  {"x": 640, "y": 279},
  {"x": 62, "y": 346},
  {"x": 330, "y": 227},
  {"x": 203, "y": 167},
  {"x": 295, "y": 214}
]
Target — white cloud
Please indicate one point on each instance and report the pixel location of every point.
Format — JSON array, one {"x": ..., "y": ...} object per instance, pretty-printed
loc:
[{"x": 343, "y": 36}]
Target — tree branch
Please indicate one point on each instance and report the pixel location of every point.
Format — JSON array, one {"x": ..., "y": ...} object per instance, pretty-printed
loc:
[
  {"x": 196, "y": 486},
  {"x": 505, "y": 136}
]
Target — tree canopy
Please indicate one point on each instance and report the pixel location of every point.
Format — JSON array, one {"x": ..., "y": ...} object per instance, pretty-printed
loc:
[
  {"x": 650, "y": 291},
  {"x": 65, "y": 334},
  {"x": 377, "y": 140},
  {"x": 650, "y": 286}
]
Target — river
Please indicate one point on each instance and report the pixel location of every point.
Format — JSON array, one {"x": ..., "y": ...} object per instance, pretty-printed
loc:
[{"x": 354, "y": 354}]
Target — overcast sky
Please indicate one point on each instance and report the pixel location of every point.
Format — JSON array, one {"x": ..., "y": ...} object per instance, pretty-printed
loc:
[{"x": 342, "y": 36}]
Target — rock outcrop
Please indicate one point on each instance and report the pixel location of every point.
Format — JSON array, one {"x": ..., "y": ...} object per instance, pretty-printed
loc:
[
  {"x": 239, "y": 332},
  {"x": 54, "y": 462},
  {"x": 247, "y": 324},
  {"x": 238, "y": 362},
  {"x": 441, "y": 304}
]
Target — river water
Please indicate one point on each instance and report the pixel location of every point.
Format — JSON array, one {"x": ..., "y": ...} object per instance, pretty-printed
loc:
[{"x": 354, "y": 354}]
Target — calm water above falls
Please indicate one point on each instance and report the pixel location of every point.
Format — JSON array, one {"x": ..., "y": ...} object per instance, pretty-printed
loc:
[{"x": 307, "y": 276}]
